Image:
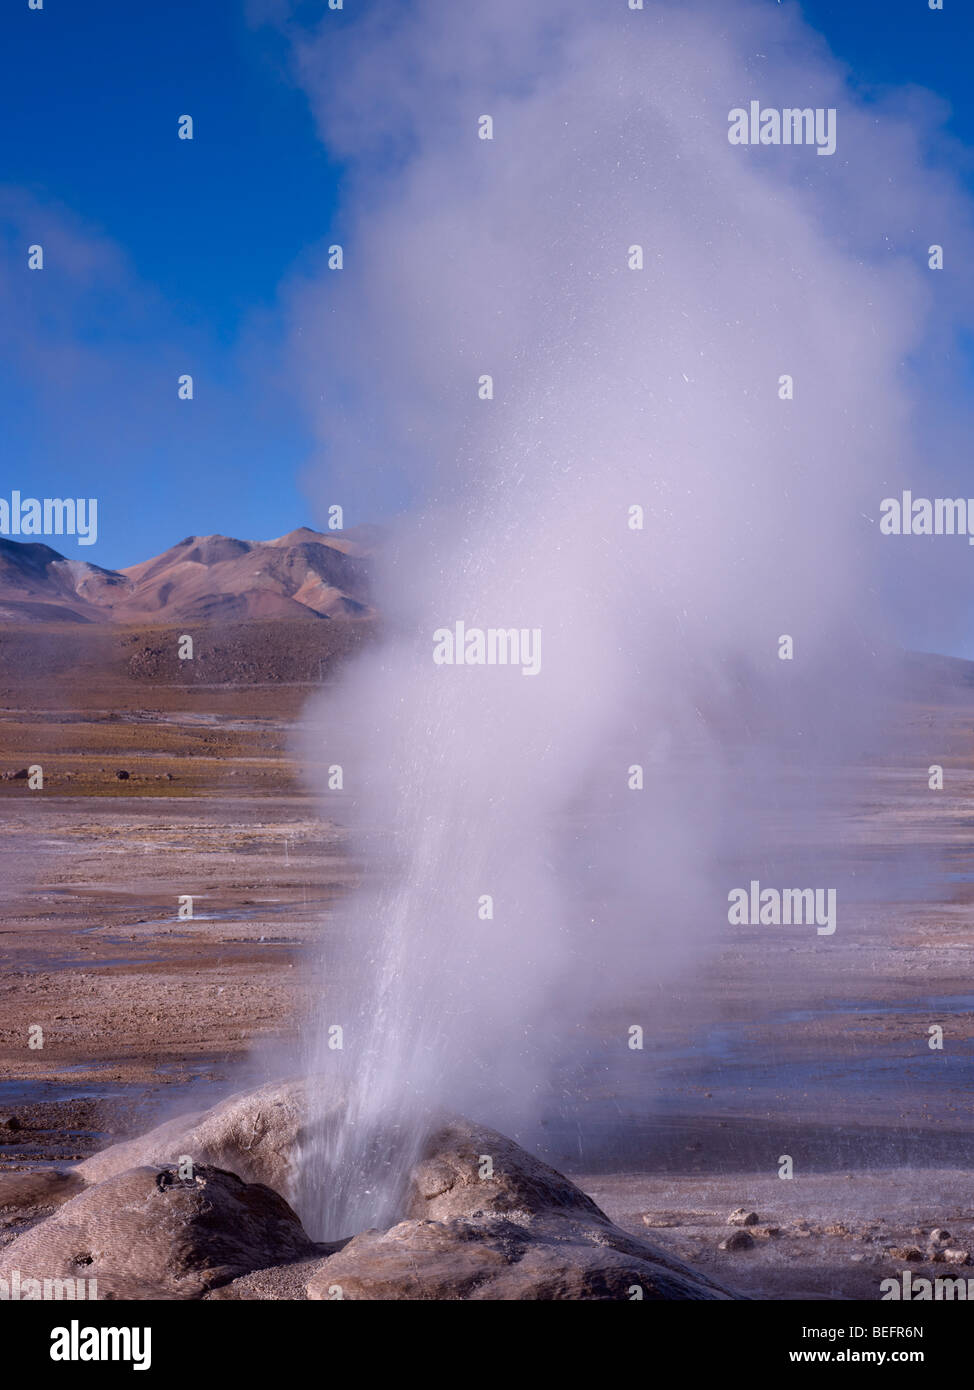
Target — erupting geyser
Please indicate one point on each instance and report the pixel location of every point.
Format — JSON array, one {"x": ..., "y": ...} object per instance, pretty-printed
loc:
[{"x": 591, "y": 446}]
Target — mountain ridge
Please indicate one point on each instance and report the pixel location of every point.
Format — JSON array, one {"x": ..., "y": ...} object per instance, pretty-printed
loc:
[{"x": 302, "y": 574}]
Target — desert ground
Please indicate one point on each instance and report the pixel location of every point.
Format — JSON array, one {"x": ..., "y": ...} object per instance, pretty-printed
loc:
[{"x": 144, "y": 1013}]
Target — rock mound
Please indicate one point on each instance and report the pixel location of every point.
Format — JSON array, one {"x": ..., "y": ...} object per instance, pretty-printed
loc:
[
  {"x": 490, "y": 1221},
  {"x": 149, "y": 1233},
  {"x": 483, "y": 1219},
  {"x": 255, "y": 1134}
]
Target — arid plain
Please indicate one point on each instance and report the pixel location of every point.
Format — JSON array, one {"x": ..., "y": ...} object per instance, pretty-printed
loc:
[{"x": 143, "y": 1011}]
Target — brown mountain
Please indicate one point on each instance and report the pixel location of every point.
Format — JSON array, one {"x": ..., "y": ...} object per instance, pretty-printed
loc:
[{"x": 305, "y": 574}]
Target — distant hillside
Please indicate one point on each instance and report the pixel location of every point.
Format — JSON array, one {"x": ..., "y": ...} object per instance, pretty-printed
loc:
[
  {"x": 109, "y": 665},
  {"x": 305, "y": 574}
]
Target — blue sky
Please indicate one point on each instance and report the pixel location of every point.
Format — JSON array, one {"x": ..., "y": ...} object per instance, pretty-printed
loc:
[
  {"x": 176, "y": 251},
  {"x": 207, "y": 229}
]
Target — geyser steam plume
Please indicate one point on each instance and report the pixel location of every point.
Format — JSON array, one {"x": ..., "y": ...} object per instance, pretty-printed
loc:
[{"x": 522, "y": 894}]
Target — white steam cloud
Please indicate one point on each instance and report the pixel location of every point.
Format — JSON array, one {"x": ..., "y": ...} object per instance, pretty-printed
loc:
[{"x": 613, "y": 388}]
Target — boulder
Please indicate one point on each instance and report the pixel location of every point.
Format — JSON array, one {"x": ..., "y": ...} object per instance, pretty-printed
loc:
[
  {"x": 738, "y": 1240},
  {"x": 741, "y": 1216},
  {"x": 148, "y": 1233}
]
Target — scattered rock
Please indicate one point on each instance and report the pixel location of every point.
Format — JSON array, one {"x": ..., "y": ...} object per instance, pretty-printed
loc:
[
  {"x": 905, "y": 1252},
  {"x": 837, "y": 1228},
  {"x": 9, "y": 1122},
  {"x": 766, "y": 1232},
  {"x": 738, "y": 1240},
  {"x": 940, "y": 1236},
  {"x": 122, "y": 775},
  {"x": 740, "y": 1216},
  {"x": 955, "y": 1256},
  {"x": 279, "y": 1282}
]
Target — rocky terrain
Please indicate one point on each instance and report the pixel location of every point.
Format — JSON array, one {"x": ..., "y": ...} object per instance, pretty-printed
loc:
[{"x": 195, "y": 1209}]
